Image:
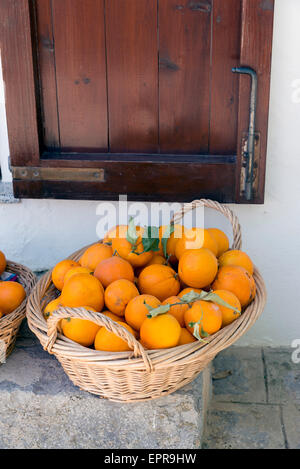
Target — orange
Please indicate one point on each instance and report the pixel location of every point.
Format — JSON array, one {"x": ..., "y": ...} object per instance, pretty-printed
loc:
[
  {"x": 118, "y": 294},
  {"x": 12, "y": 294},
  {"x": 253, "y": 289},
  {"x": 172, "y": 241},
  {"x": 113, "y": 233},
  {"x": 235, "y": 279},
  {"x": 124, "y": 248},
  {"x": 229, "y": 315},
  {"x": 81, "y": 331},
  {"x": 60, "y": 270},
  {"x": 198, "y": 267},
  {"x": 115, "y": 318},
  {"x": 196, "y": 238},
  {"x": 160, "y": 281},
  {"x": 76, "y": 270},
  {"x": 83, "y": 290},
  {"x": 209, "y": 314},
  {"x": 94, "y": 255},
  {"x": 221, "y": 239},
  {"x": 136, "y": 310},
  {"x": 143, "y": 344},
  {"x": 160, "y": 332},
  {"x": 186, "y": 337},
  {"x": 1, "y": 314},
  {"x": 52, "y": 306},
  {"x": 112, "y": 316},
  {"x": 236, "y": 257},
  {"x": 110, "y": 342},
  {"x": 112, "y": 269},
  {"x": 156, "y": 259},
  {"x": 178, "y": 310},
  {"x": 2, "y": 263}
]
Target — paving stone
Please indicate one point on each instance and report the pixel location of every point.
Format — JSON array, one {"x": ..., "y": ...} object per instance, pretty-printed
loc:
[
  {"x": 283, "y": 376},
  {"x": 246, "y": 382},
  {"x": 41, "y": 408},
  {"x": 243, "y": 426},
  {"x": 25, "y": 333},
  {"x": 291, "y": 421}
]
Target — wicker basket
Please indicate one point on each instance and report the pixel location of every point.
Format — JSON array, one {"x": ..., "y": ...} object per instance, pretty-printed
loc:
[
  {"x": 139, "y": 375},
  {"x": 9, "y": 325}
]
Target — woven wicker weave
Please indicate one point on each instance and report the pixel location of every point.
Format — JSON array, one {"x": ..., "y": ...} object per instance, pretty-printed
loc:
[
  {"x": 139, "y": 375},
  {"x": 9, "y": 325}
]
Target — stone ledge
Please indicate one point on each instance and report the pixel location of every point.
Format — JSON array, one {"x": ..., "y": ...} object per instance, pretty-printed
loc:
[
  {"x": 6, "y": 193},
  {"x": 41, "y": 408}
]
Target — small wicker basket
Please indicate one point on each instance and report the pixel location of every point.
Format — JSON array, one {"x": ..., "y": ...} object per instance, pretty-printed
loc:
[
  {"x": 139, "y": 375},
  {"x": 10, "y": 324}
]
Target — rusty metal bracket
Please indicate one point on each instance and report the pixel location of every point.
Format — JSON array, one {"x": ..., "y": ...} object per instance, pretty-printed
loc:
[
  {"x": 244, "y": 165},
  {"x": 249, "y": 152},
  {"x": 29, "y": 173}
]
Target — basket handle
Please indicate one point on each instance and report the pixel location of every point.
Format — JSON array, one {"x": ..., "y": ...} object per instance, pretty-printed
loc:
[
  {"x": 101, "y": 320},
  {"x": 236, "y": 227}
]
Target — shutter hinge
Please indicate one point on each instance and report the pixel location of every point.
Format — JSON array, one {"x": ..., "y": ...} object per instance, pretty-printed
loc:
[
  {"x": 249, "y": 155},
  {"x": 249, "y": 167}
]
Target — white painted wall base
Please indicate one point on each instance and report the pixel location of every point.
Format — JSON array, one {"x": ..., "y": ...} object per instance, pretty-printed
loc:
[{"x": 40, "y": 233}]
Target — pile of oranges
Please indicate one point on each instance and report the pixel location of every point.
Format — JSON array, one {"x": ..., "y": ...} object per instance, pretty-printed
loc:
[
  {"x": 12, "y": 294},
  {"x": 168, "y": 286}
]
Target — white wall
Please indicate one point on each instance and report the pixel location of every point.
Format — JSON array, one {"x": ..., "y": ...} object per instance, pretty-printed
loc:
[{"x": 39, "y": 233}]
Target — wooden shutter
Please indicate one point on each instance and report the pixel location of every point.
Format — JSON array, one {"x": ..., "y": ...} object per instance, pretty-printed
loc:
[{"x": 137, "y": 97}]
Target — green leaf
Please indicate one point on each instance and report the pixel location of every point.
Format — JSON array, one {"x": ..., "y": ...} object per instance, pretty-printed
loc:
[
  {"x": 210, "y": 296},
  {"x": 192, "y": 296},
  {"x": 196, "y": 330},
  {"x": 150, "y": 308},
  {"x": 153, "y": 312},
  {"x": 132, "y": 236},
  {"x": 166, "y": 236},
  {"x": 151, "y": 239}
]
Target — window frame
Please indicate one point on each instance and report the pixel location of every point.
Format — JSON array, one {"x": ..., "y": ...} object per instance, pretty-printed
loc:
[{"x": 141, "y": 177}]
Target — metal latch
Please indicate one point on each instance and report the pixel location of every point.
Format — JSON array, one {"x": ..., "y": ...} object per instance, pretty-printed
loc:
[
  {"x": 29, "y": 173},
  {"x": 249, "y": 150}
]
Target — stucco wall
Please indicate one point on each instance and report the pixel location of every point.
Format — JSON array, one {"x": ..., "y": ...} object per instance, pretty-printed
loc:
[{"x": 39, "y": 233}]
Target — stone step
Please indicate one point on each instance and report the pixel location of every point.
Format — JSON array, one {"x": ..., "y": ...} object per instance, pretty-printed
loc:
[{"x": 41, "y": 408}]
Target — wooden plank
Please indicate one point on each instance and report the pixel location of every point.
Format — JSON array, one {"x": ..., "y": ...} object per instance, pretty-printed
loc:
[
  {"x": 224, "y": 84},
  {"x": 54, "y": 174},
  {"x": 18, "y": 74},
  {"x": 256, "y": 51},
  {"x": 79, "y": 36},
  {"x": 132, "y": 68},
  {"x": 184, "y": 76},
  {"x": 157, "y": 181},
  {"x": 46, "y": 60}
]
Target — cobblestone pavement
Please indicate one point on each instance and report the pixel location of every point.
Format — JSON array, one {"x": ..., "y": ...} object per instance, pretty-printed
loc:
[{"x": 256, "y": 400}]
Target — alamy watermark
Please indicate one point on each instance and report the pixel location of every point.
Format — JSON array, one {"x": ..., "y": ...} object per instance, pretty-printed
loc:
[
  {"x": 296, "y": 354},
  {"x": 145, "y": 214}
]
